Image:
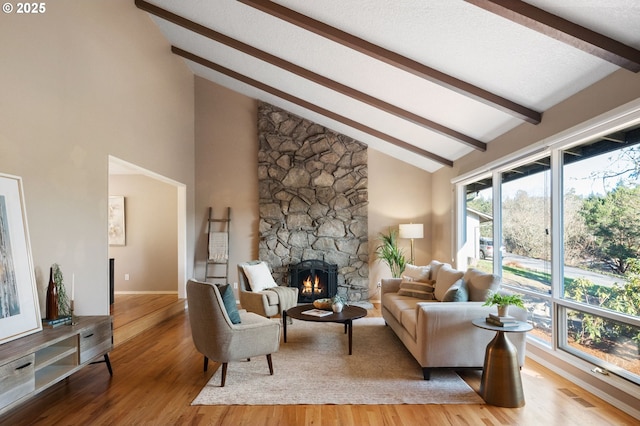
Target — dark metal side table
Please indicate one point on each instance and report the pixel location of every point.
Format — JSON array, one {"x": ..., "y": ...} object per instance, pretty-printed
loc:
[{"x": 501, "y": 383}]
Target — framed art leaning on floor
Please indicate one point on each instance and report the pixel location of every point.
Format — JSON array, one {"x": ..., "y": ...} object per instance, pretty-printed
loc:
[{"x": 19, "y": 308}]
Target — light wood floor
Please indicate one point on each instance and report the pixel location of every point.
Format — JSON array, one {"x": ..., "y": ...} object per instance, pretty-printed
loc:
[
  {"x": 158, "y": 373},
  {"x": 136, "y": 313},
  {"x": 130, "y": 307}
]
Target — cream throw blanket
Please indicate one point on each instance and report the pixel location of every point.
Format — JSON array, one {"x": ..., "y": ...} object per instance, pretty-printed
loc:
[
  {"x": 286, "y": 295},
  {"x": 218, "y": 246}
]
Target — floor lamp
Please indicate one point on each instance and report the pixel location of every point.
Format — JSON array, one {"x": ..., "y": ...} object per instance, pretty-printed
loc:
[{"x": 412, "y": 231}]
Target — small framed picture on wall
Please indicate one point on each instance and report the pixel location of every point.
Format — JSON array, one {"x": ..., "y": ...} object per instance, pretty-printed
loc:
[{"x": 117, "y": 235}]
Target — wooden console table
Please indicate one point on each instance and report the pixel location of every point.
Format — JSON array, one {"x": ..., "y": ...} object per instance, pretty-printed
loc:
[{"x": 33, "y": 363}]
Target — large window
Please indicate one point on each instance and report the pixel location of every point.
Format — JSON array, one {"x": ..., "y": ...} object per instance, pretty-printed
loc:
[
  {"x": 478, "y": 247},
  {"x": 580, "y": 272},
  {"x": 601, "y": 235},
  {"x": 526, "y": 226},
  {"x": 526, "y": 233}
]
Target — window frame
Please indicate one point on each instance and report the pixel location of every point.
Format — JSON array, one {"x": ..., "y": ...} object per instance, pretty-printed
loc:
[{"x": 618, "y": 119}]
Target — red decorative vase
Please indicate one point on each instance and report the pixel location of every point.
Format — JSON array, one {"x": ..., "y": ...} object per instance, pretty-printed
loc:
[{"x": 52, "y": 297}]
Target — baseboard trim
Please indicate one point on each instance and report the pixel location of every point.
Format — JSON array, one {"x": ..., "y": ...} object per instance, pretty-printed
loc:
[{"x": 612, "y": 389}]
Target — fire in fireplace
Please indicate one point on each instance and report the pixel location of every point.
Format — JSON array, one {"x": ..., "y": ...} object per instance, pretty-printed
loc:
[
  {"x": 315, "y": 279},
  {"x": 312, "y": 286}
]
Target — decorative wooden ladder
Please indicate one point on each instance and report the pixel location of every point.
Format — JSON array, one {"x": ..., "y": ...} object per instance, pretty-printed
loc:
[{"x": 218, "y": 247}]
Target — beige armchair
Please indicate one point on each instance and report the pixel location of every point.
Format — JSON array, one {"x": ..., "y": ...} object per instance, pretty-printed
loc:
[
  {"x": 218, "y": 339},
  {"x": 271, "y": 299}
]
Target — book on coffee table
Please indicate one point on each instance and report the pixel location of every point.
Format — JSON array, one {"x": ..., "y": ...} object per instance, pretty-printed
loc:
[{"x": 317, "y": 312}]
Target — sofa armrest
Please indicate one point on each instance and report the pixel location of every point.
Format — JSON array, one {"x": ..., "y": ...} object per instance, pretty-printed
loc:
[{"x": 389, "y": 285}]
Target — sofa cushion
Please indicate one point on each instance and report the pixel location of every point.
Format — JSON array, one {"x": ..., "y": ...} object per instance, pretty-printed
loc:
[
  {"x": 480, "y": 284},
  {"x": 397, "y": 304},
  {"x": 416, "y": 273},
  {"x": 447, "y": 276},
  {"x": 434, "y": 267},
  {"x": 458, "y": 292},
  {"x": 416, "y": 289}
]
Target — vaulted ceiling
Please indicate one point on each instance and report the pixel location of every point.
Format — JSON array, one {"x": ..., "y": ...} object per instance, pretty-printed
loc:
[{"x": 425, "y": 81}]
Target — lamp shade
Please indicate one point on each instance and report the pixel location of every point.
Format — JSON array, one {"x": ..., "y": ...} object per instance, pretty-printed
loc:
[{"x": 411, "y": 230}]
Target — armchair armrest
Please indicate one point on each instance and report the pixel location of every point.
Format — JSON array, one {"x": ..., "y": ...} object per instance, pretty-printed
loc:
[{"x": 253, "y": 302}]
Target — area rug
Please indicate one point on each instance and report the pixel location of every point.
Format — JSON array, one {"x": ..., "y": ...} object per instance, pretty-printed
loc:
[{"x": 314, "y": 367}]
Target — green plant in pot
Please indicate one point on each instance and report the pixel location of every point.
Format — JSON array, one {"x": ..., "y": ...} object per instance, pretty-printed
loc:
[
  {"x": 338, "y": 302},
  {"x": 503, "y": 301},
  {"x": 64, "y": 304},
  {"x": 389, "y": 252}
]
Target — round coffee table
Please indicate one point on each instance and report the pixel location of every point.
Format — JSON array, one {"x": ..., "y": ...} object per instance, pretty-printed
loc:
[{"x": 346, "y": 317}]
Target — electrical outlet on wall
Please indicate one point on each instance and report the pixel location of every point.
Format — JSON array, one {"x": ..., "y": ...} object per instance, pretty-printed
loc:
[
  {"x": 235, "y": 286},
  {"x": 126, "y": 277}
]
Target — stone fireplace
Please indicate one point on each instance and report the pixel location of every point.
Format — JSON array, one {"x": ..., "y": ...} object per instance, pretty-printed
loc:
[
  {"x": 315, "y": 279},
  {"x": 313, "y": 199}
]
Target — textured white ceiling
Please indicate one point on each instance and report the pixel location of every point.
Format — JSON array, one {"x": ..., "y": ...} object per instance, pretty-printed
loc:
[{"x": 452, "y": 36}]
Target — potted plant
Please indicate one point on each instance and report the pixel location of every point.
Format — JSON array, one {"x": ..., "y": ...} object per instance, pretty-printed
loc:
[
  {"x": 390, "y": 254},
  {"x": 338, "y": 303},
  {"x": 504, "y": 301},
  {"x": 64, "y": 305}
]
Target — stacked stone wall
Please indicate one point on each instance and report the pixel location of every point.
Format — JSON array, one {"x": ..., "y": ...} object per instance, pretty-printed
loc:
[{"x": 313, "y": 199}]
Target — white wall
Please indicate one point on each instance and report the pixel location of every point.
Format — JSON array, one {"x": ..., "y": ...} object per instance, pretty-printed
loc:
[{"x": 82, "y": 81}]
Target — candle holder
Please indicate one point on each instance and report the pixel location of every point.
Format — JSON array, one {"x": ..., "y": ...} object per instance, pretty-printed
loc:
[{"x": 73, "y": 318}]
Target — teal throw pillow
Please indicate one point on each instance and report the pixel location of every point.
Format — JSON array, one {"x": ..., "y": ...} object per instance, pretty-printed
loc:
[
  {"x": 458, "y": 292},
  {"x": 229, "y": 300}
]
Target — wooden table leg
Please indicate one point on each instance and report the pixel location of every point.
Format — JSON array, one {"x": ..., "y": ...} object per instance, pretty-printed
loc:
[
  {"x": 284, "y": 325},
  {"x": 349, "y": 325}
]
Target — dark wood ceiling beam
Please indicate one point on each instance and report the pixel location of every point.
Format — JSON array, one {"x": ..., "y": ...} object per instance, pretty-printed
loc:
[
  {"x": 565, "y": 31},
  {"x": 312, "y": 107},
  {"x": 309, "y": 75},
  {"x": 396, "y": 60}
]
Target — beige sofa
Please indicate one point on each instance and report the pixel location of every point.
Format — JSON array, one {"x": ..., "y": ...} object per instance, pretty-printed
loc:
[{"x": 438, "y": 333}]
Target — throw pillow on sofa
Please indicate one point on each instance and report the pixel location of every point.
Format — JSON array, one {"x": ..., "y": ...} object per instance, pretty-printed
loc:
[
  {"x": 434, "y": 268},
  {"x": 458, "y": 292},
  {"x": 481, "y": 284},
  {"x": 416, "y": 289},
  {"x": 416, "y": 273},
  {"x": 447, "y": 276}
]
